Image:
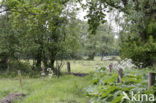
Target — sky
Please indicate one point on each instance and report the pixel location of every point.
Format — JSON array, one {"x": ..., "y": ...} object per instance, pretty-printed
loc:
[{"x": 82, "y": 13}]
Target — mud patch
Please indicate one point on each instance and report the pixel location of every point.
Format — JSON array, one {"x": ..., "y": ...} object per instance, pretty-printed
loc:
[
  {"x": 78, "y": 74},
  {"x": 11, "y": 97}
]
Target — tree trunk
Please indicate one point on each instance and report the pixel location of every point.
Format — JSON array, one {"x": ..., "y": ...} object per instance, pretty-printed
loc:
[
  {"x": 91, "y": 56},
  {"x": 38, "y": 59},
  {"x": 38, "y": 64},
  {"x": 58, "y": 67},
  {"x": 4, "y": 61},
  {"x": 45, "y": 62},
  {"x": 52, "y": 64},
  {"x": 58, "y": 72}
]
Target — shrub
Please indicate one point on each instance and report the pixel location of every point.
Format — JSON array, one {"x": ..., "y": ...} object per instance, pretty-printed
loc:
[
  {"x": 139, "y": 51},
  {"x": 14, "y": 65},
  {"x": 23, "y": 66}
]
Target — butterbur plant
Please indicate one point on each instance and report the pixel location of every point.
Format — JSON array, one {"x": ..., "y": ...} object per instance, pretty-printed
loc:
[
  {"x": 50, "y": 72},
  {"x": 124, "y": 64},
  {"x": 105, "y": 87}
]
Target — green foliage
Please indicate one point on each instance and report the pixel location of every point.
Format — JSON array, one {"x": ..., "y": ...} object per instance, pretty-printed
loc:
[
  {"x": 139, "y": 51},
  {"x": 95, "y": 16},
  {"x": 38, "y": 30},
  {"x": 151, "y": 28},
  {"x": 14, "y": 65},
  {"x": 105, "y": 87},
  {"x": 140, "y": 44},
  {"x": 100, "y": 44},
  {"x": 137, "y": 21},
  {"x": 105, "y": 40}
]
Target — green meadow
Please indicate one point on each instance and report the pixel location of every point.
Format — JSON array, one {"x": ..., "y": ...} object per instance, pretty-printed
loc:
[{"x": 66, "y": 89}]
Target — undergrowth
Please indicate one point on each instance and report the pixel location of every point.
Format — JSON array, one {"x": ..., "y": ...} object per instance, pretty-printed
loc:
[{"x": 105, "y": 87}]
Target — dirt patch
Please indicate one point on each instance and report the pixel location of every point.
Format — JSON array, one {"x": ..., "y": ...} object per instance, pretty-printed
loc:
[
  {"x": 12, "y": 96},
  {"x": 78, "y": 74}
]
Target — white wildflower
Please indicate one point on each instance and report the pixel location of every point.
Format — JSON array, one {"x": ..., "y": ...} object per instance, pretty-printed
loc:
[
  {"x": 124, "y": 64},
  {"x": 50, "y": 72}
]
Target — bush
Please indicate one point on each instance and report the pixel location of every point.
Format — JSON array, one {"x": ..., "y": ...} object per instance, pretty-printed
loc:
[
  {"x": 23, "y": 66},
  {"x": 139, "y": 51},
  {"x": 14, "y": 65}
]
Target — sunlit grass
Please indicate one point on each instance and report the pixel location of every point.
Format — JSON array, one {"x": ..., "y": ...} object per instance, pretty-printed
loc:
[{"x": 86, "y": 66}]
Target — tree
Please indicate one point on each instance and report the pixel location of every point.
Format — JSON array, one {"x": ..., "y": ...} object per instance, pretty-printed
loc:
[
  {"x": 139, "y": 23},
  {"x": 101, "y": 43},
  {"x": 41, "y": 26},
  {"x": 106, "y": 40},
  {"x": 9, "y": 42},
  {"x": 91, "y": 46}
]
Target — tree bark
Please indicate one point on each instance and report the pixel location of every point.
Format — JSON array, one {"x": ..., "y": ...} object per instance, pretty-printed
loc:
[
  {"x": 38, "y": 64},
  {"x": 45, "y": 62},
  {"x": 91, "y": 56},
  {"x": 4, "y": 61},
  {"x": 58, "y": 67},
  {"x": 58, "y": 72},
  {"x": 38, "y": 59},
  {"x": 52, "y": 61}
]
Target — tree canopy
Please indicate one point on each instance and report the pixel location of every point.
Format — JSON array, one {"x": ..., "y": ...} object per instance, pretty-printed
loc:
[
  {"x": 138, "y": 26},
  {"x": 39, "y": 30}
]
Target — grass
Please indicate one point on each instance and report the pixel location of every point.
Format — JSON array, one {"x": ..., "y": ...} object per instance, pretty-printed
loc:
[
  {"x": 86, "y": 66},
  {"x": 66, "y": 89}
]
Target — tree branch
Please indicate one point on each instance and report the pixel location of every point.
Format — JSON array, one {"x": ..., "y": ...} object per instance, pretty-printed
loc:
[
  {"x": 4, "y": 10},
  {"x": 111, "y": 4}
]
